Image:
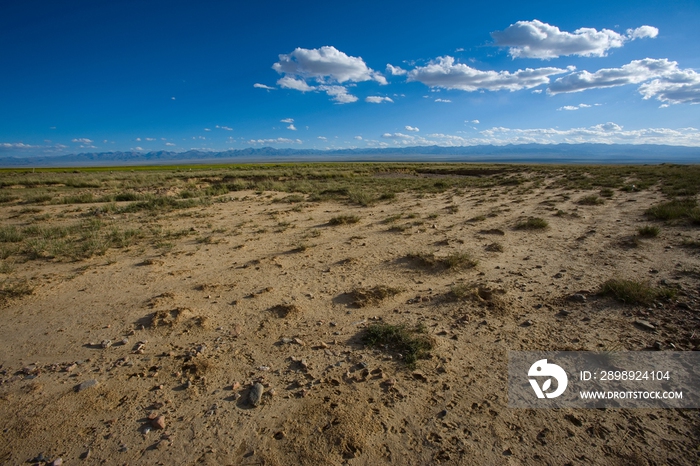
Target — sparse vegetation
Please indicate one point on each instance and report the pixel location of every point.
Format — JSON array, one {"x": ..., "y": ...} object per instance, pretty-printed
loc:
[
  {"x": 285, "y": 310},
  {"x": 412, "y": 343},
  {"x": 635, "y": 292},
  {"x": 11, "y": 289},
  {"x": 532, "y": 223},
  {"x": 675, "y": 209},
  {"x": 591, "y": 200},
  {"x": 363, "y": 297},
  {"x": 649, "y": 231},
  {"x": 495, "y": 247},
  {"x": 454, "y": 261},
  {"x": 344, "y": 220}
]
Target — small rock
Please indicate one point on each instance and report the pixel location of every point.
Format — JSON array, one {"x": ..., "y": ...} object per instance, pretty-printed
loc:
[
  {"x": 299, "y": 342},
  {"x": 158, "y": 422},
  {"x": 56, "y": 462},
  {"x": 87, "y": 384},
  {"x": 527, "y": 323},
  {"x": 256, "y": 394},
  {"x": 280, "y": 435},
  {"x": 564, "y": 312},
  {"x": 286, "y": 341},
  {"x": 658, "y": 346},
  {"x": 645, "y": 325},
  {"x": 235, "y": 386},
  {"x": 106, "y": 344},
  {"x": 578, "y": 297}
]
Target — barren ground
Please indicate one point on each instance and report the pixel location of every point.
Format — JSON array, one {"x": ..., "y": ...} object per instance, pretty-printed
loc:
[{"x": 215, "y": 297}]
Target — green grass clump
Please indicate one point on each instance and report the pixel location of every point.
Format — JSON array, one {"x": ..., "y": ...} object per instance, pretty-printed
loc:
[
  {"x": 634, "y": 292},
  {"x": 607, "y": 192},
  {"x": 10, "y": 234},
  {"x": 344, "y": 220},
  {"x": 454, "y": 261},
  {"x": 649, "y": 231},
  {"x": 361, "y": 197},
  {"x": 412, "y": 343},
  {"x": 363, "y": 297},
  {"x": 532, "y": 223},
  {"x": 590, "y": 200},
  {"x": 160, "y": 203},
  {"x": 675, "y": 209}
]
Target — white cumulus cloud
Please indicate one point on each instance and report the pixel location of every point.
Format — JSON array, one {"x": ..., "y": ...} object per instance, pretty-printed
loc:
[
  {"x": 339, "y": 94},
  {"x": 445, "y": 73},
  {"x": 263, "y": 86},
  {"x": 287, "y": 120},
  {"x": 661, "y": 79},
  {"x": 395, "y": 70},
  {"x": 373, "y": 99},
  {"x": 326, "y": 63},
  {"x": 328, "y": 68},
  {"x": 675, "y": 88},
  {"x": 447, "y": 101},
  {"x": 643, "y": 32},
  {"x": 169, "y": 144},
  {"x": 292, "y": 127},
  {"x": 82, "y": 140},
  {"x": 536, "y": 39},
  {"x": 411, "y": 128},
  {"x": 290, "y": 82}
]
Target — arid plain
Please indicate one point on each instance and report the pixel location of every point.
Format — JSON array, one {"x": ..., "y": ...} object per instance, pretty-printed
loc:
[{"x": 374, "y": 303}]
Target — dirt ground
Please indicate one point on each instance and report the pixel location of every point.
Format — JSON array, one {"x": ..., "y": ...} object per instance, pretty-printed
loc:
[{"x": 259, "y": 291}]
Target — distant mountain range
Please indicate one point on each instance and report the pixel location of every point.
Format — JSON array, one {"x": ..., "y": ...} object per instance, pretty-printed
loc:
[{"x": 522, "y": 153}]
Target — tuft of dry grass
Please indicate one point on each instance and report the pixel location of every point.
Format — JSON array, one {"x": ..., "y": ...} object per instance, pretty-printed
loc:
[
  {"x": 649, "y": 231},
  {"x": 344, "y": 220},
  {"x": 363, "y": 297},
  {"x": 12, "y": 289},
  {"x": 635, "y": 292},
  {"x": 532, "y": 223},
  {"x": 590, "y": 200},
  {"x": 495, "y": 247},
  {"x": 285, "y": 310},
  {"x": 454, "y": 261}
]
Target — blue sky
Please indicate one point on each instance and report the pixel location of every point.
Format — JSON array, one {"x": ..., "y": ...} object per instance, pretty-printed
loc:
[{"x": 93, "y": 76}]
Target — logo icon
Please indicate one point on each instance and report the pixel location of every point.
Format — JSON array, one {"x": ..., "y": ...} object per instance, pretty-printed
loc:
[{"x": 542, "y": 368}]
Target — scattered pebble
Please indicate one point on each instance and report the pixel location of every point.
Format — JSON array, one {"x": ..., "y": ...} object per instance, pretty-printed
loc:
[
  {"x": 87, "y": 384},
  {"x": 106, "y": 343},
  {"x": 158, "y": 422},
  {"x": 645, "y": 325},
  {"x": 256, "y": 394}
]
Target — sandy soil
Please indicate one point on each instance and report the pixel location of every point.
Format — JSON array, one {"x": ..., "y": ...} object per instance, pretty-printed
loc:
[{"x": 260, "y": 291}]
